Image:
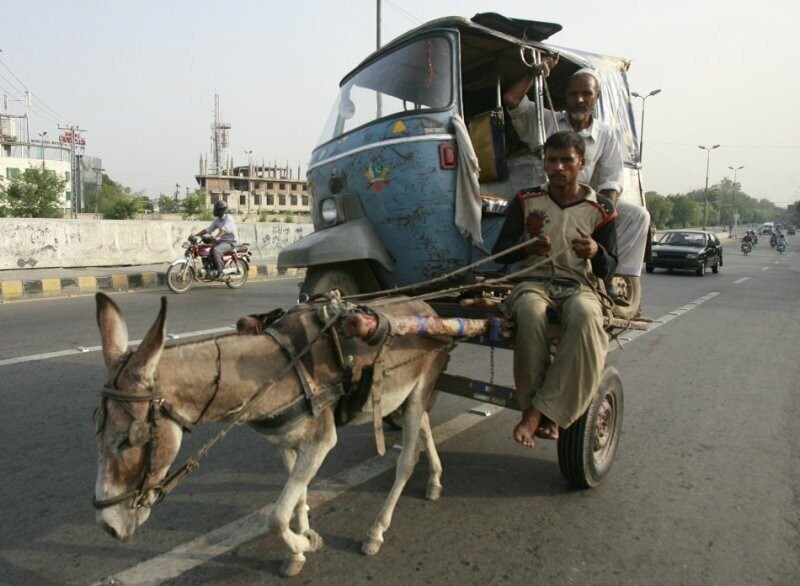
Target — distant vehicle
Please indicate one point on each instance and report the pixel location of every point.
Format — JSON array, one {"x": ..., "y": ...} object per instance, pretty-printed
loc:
[
  {"x": 767, "y": 228},
  {"x": 791, "y": 231},
  {"x": 686, "y": 250}
]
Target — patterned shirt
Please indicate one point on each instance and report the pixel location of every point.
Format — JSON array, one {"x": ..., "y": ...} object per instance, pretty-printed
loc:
[{"x": 534, "y": 213}]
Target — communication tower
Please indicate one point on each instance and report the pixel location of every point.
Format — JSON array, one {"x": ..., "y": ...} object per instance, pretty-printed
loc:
[{"x": 220, "y": 141}]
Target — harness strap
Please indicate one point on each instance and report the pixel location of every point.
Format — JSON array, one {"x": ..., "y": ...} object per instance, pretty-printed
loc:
[{"x": 299, "y": 369}]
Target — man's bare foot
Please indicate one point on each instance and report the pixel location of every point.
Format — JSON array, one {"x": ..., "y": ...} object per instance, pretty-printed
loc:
[
  {"x": 526, "y": 428},
  {"x": 547, "y": 429}
]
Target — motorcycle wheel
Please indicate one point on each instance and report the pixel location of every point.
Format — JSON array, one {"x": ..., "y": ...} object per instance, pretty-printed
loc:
[
  {"x": 180, "y": 277},
  {"x": 239, "y": 278}
]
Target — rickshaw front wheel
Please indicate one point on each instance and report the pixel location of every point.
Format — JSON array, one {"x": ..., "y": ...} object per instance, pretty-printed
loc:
[
  {"x": 349, "y": 278},
  {"x": 586, "y": 449}
]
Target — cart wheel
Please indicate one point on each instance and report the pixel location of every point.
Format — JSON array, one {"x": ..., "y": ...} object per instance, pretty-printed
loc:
[
  {"x": 586, "y": 449},
  {"x": 631, "y": 290}
]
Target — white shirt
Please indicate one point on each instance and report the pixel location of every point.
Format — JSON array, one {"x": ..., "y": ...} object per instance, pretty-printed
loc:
[
  {"x": 604, "y": 164},
  {"x": 224, "y": 223}
]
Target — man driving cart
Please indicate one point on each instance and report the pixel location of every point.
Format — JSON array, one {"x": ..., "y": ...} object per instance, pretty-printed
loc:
[{"x": 572, "y": 237}]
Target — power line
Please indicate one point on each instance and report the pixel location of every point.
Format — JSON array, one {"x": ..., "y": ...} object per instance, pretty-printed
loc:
[
  {"x": 40, "y": 103},
  {"x": 404, "y": 12}
]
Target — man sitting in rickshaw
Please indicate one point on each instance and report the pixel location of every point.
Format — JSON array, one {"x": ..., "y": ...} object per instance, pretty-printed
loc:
[{"x": 573, "y": 230}]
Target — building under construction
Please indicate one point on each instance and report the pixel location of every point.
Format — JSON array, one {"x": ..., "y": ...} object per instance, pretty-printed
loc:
[{"x": 248, "y": 189}]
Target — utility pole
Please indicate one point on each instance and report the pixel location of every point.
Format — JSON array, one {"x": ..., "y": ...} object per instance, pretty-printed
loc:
[{"x": 705, "y": 193}]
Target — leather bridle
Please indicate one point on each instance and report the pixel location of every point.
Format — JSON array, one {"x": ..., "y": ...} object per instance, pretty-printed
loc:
[{"x": 140, "y": 433}]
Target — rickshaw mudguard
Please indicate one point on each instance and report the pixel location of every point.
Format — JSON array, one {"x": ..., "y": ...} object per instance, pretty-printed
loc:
[{"x": 352, "y": 240}]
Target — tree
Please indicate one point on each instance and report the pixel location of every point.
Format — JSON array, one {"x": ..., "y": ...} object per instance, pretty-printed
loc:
[
  {"x": 36, "y": 193},
  {"x": 117, "y": 202},
  {"x": 660, "y": 209},
  {"x": 168, "y": 205},
  {"x": 685, "y": 212},
  {"x": 193, "y": 205}
]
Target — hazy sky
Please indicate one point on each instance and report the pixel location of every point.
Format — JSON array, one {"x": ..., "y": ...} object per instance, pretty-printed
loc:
[{"x": 140, "y": 77}]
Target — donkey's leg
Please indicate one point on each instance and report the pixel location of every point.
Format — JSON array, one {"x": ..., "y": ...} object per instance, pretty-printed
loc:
[
  {"x": 310, "y": 453},
  {"x": 289, "y": 457},
  {"x": 412, "y": 421},
  {"x": 434, "y": 490}
]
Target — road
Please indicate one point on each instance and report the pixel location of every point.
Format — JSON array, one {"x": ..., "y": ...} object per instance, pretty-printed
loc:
[{"x": 704, "y": 489}]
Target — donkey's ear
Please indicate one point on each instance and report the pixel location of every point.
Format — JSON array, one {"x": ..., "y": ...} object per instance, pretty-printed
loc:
[
  {"x": 145, "y": 360},
  {"x": 113, "y": 331}
]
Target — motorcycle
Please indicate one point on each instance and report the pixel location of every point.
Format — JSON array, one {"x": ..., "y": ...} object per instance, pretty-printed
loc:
[
  {"x": 781, "y": 246},
  {"x": 747, "y": 248},
  {"x": 198, "y": 265}
]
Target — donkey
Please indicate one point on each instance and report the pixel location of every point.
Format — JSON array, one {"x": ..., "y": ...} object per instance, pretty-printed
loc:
[{"x": 155, "y": 393}]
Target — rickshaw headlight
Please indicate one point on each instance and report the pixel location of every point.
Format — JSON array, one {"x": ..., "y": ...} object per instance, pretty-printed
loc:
[{"x": 328, "y": 209}]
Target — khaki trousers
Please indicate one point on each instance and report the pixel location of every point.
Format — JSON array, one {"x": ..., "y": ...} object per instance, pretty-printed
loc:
[{"x": 562, "y": 390}]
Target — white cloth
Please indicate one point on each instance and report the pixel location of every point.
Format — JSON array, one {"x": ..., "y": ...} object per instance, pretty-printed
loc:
[
  {"x": 604, "y": 163},
  {"x": 633, "y": 222},
  {"x": 224, "y": 223},
  {"x": 468, "y": 189}
]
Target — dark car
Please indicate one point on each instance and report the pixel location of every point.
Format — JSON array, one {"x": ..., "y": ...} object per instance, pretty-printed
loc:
[{"x": 687, "y": 250}]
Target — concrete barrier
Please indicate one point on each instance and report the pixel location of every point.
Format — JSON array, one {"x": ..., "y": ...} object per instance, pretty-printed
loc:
[{"x": 45, "y": 243}]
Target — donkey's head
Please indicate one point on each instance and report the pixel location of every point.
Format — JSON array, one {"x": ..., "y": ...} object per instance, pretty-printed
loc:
[{"x": 136, "y": 445}]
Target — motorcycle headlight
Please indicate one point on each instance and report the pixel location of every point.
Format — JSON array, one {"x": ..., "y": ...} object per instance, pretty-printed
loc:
[
  {"x": 328, "y": 211},
  {"x": 692, "y": 255}
]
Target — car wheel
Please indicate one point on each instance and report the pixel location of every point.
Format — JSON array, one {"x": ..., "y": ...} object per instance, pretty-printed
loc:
[
  {"x": 715, "y": 268},
  {"x": 649, "y": 268},
  {"x": 701, "y": 269}
]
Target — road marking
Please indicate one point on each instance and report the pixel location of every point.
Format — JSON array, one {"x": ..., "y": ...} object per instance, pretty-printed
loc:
[
  {"x": 742, "y": 280},
  {"x": 204, "y": 548},
  {"x": 764, "y": 268},
  {"x": 85, "y": 349}
]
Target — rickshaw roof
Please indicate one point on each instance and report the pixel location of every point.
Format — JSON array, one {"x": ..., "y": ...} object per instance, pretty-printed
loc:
[{"x": 489, "y": 31}]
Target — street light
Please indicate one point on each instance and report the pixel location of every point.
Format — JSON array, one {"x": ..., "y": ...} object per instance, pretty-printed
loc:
[
  {"x": 641, "y": 133},
  {"x": 733, "y": 196},
  {"x": 41, "y": 140},
  {"x": 705, "y": 193},
  {"x": 249, "y": 178}
]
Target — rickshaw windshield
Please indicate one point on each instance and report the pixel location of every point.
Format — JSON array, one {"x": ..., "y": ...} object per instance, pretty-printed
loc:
[{"x": 414, "y": 77}]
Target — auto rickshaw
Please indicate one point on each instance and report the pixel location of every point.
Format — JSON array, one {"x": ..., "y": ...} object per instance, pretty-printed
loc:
[{"x": 414, "y": 171}]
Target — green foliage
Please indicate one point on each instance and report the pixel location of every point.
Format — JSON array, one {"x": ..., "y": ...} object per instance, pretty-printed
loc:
[
  {"x": 121, "y": 207},
  {"x": 289, "y": 219},
  {"x": 168, "y": 205},
  {"x": 660, "y": 209},
  {"x": 194, "y": 205},
  {"x": 33, "y": 194},
  {"x": 262, "y": 217},
  {"x": 685, "y": 212}
]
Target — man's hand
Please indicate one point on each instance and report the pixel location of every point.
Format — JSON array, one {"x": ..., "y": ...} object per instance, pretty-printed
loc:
[
  {"x": 539, "y": 246},
  {"x": 585, "y": 246}
]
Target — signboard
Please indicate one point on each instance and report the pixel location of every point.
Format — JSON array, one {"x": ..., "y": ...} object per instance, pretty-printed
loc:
[{"x": 70, "y": 137}]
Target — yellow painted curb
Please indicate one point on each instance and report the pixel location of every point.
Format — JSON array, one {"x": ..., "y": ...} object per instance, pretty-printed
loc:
[
  {"x": 86, "y": 284},
  {"x": 12, "y": 289},
  {"x": 149, "y": 279},
  {"x": 51, "y": 286},
  {"x": 119, "y": 281}
]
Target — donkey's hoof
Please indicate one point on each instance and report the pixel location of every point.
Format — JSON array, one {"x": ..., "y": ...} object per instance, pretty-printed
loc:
[
  {"x": 292, "y": 566},
  {"x": 314, "y": 540},
  {"x": 434, "y": 492},
  {"x": 371, "y": 546}
]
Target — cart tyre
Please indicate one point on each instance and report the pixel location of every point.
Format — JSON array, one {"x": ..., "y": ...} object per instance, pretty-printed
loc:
[
  {"x": 586, "y": 449},
  {"x": 632, "y": 292}
]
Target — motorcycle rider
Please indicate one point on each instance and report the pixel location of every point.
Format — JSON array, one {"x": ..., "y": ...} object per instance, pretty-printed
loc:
[
  {"x": 780, "y": 240},
  {"x": 747, "y": 242},
  {"x": 222, "y": 231}
]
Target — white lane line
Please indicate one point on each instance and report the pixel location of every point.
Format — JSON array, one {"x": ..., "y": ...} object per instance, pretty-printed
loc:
[
  {"x": 84, "y": 349},
  {"x": 764, "y": 268},
  {"x": 204, "y": 548},
  {"x": 742, "y": 280},
  {"x": 214, "y": 543}
]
